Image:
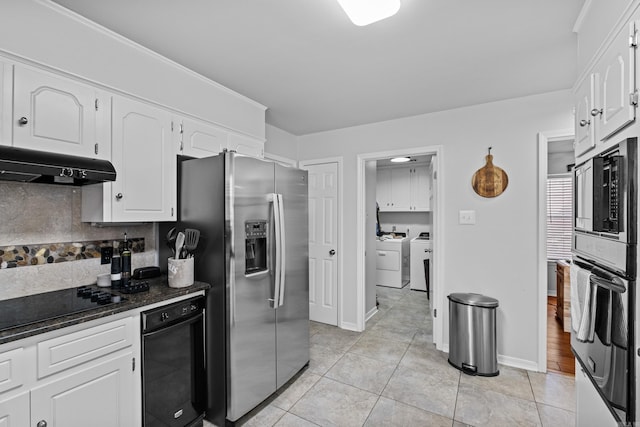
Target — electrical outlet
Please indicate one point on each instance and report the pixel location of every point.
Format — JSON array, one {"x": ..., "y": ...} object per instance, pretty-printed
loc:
[
  {"x": 106, "y": 253},
  {"x": 467, "y": 217}
]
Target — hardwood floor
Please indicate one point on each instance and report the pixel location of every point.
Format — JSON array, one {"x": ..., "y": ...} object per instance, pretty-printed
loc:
[{"x": 559, "y": 356}]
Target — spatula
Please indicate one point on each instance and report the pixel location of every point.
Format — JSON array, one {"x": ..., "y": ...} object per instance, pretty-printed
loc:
[
  {"x": 179, "y": 244},
  {"x": 192, "y": 237}
]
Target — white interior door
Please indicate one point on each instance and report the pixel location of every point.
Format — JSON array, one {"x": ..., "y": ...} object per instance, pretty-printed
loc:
[{"x": 323, "y": 242}]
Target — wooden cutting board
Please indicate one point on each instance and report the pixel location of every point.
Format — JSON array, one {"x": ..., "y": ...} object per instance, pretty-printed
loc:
[{"x": 489, "y": 180}]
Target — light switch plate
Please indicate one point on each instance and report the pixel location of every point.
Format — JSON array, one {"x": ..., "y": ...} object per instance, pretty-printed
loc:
[{"x": 467, "y": 217}]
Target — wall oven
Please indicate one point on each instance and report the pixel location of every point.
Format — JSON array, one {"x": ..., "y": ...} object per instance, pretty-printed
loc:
[{"x": 603, "y": 275}]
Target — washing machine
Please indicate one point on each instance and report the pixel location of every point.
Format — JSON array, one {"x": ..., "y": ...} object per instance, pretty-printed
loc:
[{"x": 421, "y": 249}]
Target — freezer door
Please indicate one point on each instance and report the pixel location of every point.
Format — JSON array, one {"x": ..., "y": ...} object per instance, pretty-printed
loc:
[
  {"x": 251, "y": 375},
  {"x": 292, "y": 334}
]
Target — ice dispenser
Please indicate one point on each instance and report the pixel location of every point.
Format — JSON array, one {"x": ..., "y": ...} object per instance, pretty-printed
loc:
[{"x": 255, "y": 258}]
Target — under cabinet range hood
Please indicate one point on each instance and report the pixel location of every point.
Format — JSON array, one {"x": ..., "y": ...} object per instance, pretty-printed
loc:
[{"x": 23, "y": 165}]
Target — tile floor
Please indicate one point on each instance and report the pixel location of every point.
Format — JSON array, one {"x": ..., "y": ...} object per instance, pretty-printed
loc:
[{"x": 392, "y": 375}]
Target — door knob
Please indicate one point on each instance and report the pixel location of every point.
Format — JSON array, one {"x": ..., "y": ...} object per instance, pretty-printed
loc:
[{"x": 332, "y": 252}]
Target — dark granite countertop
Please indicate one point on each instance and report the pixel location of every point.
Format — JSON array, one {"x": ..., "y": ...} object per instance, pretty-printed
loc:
[{"x": 159, "y": 291}]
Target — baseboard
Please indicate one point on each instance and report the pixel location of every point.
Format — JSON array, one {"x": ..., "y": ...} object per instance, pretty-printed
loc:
[
  {"x": 512, "y": 362},
  {"x": 370, "y": 314},
  {"x": 350, "y": 326}
]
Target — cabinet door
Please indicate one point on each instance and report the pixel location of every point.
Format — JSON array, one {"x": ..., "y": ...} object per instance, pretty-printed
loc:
[
  {"x": 618, "y": 91},
  {"x": 584, "y": 122},
  {"x": 383, "y": 189},
  {"x": 145, "y": 163},
  {"x": 400, "y": 189},
  {"x": 6, "y": 90},
  {"x": 100, "y": 395},
  {"x": 52, "y": 113},
  {"x": 200, "y": 139},
  {"x": 14, "y": 412},
  {"x": 420, "y": 189},
  {"x": 245, "y": 145}
]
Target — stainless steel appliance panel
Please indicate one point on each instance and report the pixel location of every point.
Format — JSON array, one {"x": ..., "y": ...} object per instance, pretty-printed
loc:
[
  {"x": 604, "y": 353},
  {"x": 251, "y": 375},
  {"x": 293, "y": 313},
  {"x": 202, "y": 189}
]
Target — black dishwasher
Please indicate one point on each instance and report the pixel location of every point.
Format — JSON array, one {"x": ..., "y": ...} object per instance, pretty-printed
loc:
[{"x": 173, "y": 367}]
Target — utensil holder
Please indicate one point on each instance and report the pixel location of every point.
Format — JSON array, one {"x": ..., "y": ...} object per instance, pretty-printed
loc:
[{"x": 180, "y": 272}]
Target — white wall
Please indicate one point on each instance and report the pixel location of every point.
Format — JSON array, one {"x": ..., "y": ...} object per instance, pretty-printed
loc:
[
  {"x": 416, "y": 222},
  {"x": 558, "y": 162},
  {"x": 44, "y": 32},
  {"x": 281, "y": 143},
  {"x": 495, "y": 257}
]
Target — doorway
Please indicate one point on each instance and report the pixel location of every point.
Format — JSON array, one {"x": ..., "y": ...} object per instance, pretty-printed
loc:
[
  {"x": 555, "y": 197},
  {"x": 366, "y": 235}
]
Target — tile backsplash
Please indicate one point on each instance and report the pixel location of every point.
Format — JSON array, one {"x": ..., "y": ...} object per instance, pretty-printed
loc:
[{"x": 41, "y": 218}]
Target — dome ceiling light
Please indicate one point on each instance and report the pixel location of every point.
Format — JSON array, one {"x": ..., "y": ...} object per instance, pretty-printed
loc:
[
  {"x": 400, "y": 159},
  {"x": 365, "y": 12}
]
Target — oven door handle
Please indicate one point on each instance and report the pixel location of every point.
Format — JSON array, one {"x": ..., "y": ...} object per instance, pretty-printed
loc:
[
  {"x": 613, "y": 285},
  {"x": 163, "y": 329}
]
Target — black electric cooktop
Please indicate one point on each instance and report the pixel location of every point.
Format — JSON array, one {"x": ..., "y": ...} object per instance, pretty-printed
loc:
[{"x": 50, "y": 305}]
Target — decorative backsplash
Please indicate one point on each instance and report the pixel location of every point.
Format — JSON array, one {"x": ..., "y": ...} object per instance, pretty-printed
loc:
[{"x": 50, "y": 253}]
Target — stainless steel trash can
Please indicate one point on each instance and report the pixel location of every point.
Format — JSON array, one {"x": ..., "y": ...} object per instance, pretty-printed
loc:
[{"x": 472, "y": 334}]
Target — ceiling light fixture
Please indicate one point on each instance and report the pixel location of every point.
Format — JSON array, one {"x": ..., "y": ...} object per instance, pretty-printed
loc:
[
  {"x": 400, "y": 159},
  {"x": 365, "y": 12}
]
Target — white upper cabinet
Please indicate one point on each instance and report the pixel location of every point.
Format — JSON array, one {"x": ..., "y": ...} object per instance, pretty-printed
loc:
[
  {"x": 585, "y": 124},
  {"x": 607, "y": 98},
  {"x": 383, "y": 189},
  {"x": 404, "y": 189},
  {"x": 199, "y": 139},
  {"x": 53, "y": 113},
  {"x": 245, "y": 145},
  {"x": 619, "y": 96},
  {"x": 400, "y": 189},
  {"x": 145, "y": 162},
  {"x": 420, "y": 189}
]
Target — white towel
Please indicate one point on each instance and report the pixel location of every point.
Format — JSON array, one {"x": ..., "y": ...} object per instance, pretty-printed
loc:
[{"x": 582, "y": 303}]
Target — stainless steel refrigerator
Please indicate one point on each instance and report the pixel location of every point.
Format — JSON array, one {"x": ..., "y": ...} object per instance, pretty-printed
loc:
[{"x": 253, "y": 250}]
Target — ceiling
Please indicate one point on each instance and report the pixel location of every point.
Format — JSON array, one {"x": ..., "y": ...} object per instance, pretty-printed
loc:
[{"x": 316, "y": 71}]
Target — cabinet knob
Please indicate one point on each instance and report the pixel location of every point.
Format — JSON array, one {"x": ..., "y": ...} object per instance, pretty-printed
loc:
[
  {"x": 119, "y": 196},
  {"x": 23, "y": 121},
  {"x": 595, "y": 112},
  {"x": 584, "y": 123},
  {"x": 332, "y": 252},
  {"x": 41, "y": 423}
]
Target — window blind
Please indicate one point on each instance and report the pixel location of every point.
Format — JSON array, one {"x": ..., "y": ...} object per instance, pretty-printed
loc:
[{"x": 559, "y": 216}]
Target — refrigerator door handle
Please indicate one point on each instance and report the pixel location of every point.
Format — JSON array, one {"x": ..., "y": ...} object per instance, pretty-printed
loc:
[
  {"x": 283, "y": 251},
  {"x": 274, "y": 198}
]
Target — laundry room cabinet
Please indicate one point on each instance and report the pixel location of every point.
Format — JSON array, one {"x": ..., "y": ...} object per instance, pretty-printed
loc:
[{"x": 404, "y": 189}]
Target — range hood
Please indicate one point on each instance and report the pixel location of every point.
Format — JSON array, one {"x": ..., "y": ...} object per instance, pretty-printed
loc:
[{"x": 22, "y": 165}]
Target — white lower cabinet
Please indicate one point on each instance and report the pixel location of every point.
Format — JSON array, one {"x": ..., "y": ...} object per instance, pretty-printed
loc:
[
  {"x": 591, "y": 411},
  {"x": 101, "y": 395},
  {"x": 73, "y": 377},
  {"x": 14, "y": 412}
]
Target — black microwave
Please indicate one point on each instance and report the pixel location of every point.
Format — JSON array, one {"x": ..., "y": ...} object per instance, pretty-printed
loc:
[{"x": 605, "y": 205}]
